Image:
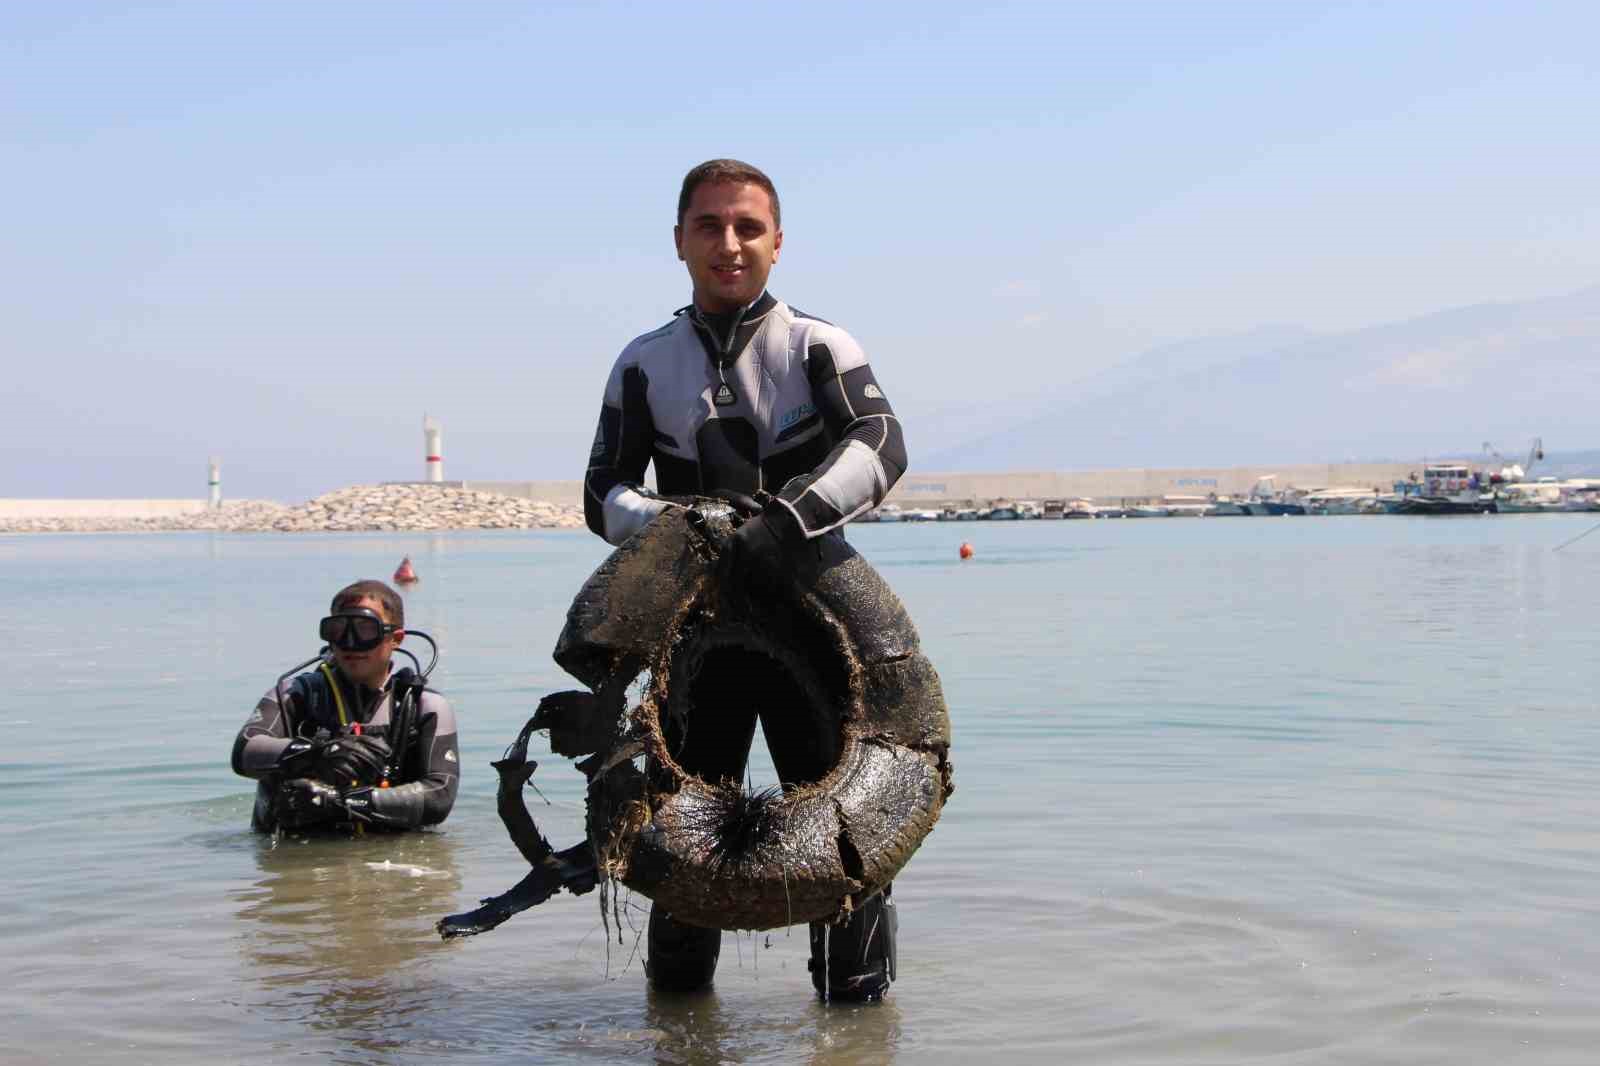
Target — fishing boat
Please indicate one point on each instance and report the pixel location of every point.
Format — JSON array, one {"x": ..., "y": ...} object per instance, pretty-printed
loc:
[
  {"x": 1267, "y": 499},
  {"x": 1003, "y": 511},
  {"x": 1226, "y": 507},
  {"x": 1448, "y": 488}
]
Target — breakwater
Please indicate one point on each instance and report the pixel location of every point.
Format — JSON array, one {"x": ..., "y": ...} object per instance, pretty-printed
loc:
[{"x": 359, "y": 508}]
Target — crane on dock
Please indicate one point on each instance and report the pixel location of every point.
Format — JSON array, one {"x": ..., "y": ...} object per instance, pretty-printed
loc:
[{"x": 1513, "y": 472}]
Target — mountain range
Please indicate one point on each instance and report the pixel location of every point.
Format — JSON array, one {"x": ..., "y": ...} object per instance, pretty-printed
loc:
[{"x": 1440, "y": 384}]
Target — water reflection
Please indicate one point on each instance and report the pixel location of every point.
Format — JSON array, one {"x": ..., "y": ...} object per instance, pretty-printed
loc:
[
  {"x": 334, "y": 933},
  {"x": 702, "y": 1030}
]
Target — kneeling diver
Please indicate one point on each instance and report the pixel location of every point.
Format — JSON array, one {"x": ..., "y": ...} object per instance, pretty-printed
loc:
[{"x": 352, "y": 742}]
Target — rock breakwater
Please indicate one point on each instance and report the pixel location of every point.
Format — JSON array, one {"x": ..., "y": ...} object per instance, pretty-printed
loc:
[{"x": 360, "y": 508}]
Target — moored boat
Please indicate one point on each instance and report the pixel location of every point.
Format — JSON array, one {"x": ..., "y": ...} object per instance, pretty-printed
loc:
[{"x": 1448, "y": 488}]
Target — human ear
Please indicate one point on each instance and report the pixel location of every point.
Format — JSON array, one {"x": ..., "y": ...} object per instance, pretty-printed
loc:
[{"x": 677, "y": 240}]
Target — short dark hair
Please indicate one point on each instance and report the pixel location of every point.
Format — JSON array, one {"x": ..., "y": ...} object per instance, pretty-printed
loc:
[
  {"x": 718, "y": 170},
  {"x": 393, "y": 609}
]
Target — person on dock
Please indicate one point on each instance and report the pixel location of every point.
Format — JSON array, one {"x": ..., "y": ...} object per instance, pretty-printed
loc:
[
  {"x": 352, "y": 742},
  {"x": 744, "y": 397}
]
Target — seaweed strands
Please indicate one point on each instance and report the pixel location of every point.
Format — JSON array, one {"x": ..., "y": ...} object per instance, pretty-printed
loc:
[{"x": 823, "y": 655}]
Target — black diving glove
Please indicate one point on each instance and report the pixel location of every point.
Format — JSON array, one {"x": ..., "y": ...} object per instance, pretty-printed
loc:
[
  {"x": 354, "y": 761},
  {"x": 764, "y": 545},
  {"x": 754, "y": 547},
  {"x": 299, "y": 757},
  {"x": 746, "y": 505},
  {"x": 303, "y": 801},
  {"x": 358, "y": 804}
]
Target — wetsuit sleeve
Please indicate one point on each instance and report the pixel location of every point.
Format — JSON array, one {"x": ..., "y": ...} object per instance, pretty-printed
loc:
[
  {"x": 870, "y": 454},
  {"x": 265, "y": 734},
  {"x": 435, "y": 768},
  {"x": 615, "y": 503}
]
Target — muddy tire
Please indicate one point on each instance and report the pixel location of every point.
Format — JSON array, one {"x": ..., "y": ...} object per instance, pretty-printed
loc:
[{"x": 835, "y": 642}]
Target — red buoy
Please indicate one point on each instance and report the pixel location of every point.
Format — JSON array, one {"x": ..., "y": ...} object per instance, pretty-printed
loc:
[
  {"x": 966, "y": 550},
  {"x": 403, "y": 574}
]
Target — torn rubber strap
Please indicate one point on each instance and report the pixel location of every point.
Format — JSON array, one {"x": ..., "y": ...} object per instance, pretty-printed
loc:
[{"x": 572, "y": 869}]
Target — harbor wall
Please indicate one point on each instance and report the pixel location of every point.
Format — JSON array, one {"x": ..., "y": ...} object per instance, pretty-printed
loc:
[
  {"x": 1107, "y": 486},
  {"x": 914, "y": 490},
  {"x": 1129, "y": 485}
]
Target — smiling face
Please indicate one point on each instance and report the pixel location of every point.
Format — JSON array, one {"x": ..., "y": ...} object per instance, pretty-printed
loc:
[
  {"x": 729, "y": 240},
  {"x": 371, "y": 667}
]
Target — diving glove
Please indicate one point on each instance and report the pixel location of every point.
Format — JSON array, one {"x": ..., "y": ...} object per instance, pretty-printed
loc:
[
  {"x": 303, "y": 801},
  {"x": 299, "y": 757},
  {"x": 354, "y": 761}
]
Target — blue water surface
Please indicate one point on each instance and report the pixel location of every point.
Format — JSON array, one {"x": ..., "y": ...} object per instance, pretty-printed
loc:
[{"x": 1294, "y": 790}]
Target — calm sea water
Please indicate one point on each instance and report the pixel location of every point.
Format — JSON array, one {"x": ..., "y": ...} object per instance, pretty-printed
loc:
[{"x": 1287, "y": 790}]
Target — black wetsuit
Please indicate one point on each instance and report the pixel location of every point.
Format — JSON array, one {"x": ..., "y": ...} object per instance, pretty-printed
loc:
[
  {"x": 429, "y": 768},
  {"x": 762, "y": 399}
]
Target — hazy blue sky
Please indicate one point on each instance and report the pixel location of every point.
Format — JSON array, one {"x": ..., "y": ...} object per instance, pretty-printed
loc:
[{"x": 280, "y": 232}]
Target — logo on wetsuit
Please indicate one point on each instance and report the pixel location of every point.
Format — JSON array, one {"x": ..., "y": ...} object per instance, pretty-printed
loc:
[{"x": 804, "y": 411}]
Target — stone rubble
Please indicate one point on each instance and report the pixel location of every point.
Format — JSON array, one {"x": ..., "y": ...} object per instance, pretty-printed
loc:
[{"x": 360, "y": 508}]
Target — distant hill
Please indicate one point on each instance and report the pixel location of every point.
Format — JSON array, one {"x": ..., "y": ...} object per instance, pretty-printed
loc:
[{"x": 1431, "y": 386}]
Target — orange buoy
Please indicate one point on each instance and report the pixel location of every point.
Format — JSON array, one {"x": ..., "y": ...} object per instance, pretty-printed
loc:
[
  {"x": 966, "y": 550},
  {"x": 403, "y": 574}
]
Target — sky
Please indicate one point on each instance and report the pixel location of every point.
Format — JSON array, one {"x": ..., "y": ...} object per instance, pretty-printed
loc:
[{"x": 280, "y": 233}]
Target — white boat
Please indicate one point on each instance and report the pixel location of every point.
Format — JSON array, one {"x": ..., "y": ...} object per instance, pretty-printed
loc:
[
  {"x": 1538, "y": 498},
  {"x": 890, "y": 512},
  {"x": 1145, "y": 510},
  {"x": 1340, "y": 501},
  {"x": 1186, "y": 506},
  {"x": 1003, "y": 511},
  {"x": 1080, "y": 508}
]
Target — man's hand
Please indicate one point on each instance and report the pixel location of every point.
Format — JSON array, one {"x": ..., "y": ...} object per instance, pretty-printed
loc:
[
  {"x": 358, "y": 804},
  {"x": 754, "y": 549},
  {"x": 747, "y": 506},
  {"x": 303, "y": 801},
  {"x": 299, "y": 757},
  {"x": 353, "y": 761}
]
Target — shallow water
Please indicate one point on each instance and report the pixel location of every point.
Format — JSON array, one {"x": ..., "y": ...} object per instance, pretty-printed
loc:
[{"x": 1288, "y": 790}]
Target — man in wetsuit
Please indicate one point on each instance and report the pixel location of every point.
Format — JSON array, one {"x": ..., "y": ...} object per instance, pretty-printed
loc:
[
  {"x": 742, "y": 396},
  {"x": 352, "y": 743}
]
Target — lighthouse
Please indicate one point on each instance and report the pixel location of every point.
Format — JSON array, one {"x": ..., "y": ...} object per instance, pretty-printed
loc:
[
  {"x": 214, "y": 483},
  {"x": 432, "y": 450}
]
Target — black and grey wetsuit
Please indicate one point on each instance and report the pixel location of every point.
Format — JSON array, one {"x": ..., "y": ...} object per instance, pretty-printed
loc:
[
  {"x": 766, "y": 398},
  {"x": 429, "y": 769}
]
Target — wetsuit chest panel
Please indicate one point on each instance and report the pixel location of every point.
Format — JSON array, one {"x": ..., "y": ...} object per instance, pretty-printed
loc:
[
  {"x": 772, "y": 396},
  {"x": 730, "y": 457}
]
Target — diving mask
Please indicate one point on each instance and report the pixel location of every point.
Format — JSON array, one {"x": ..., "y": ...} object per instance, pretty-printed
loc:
[{"x": 358, "y": 629}]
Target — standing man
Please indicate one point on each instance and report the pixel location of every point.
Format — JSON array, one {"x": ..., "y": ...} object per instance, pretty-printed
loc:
[
  {"x": 352, "y": 742},
  {"x": 741, "y": 395}
]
